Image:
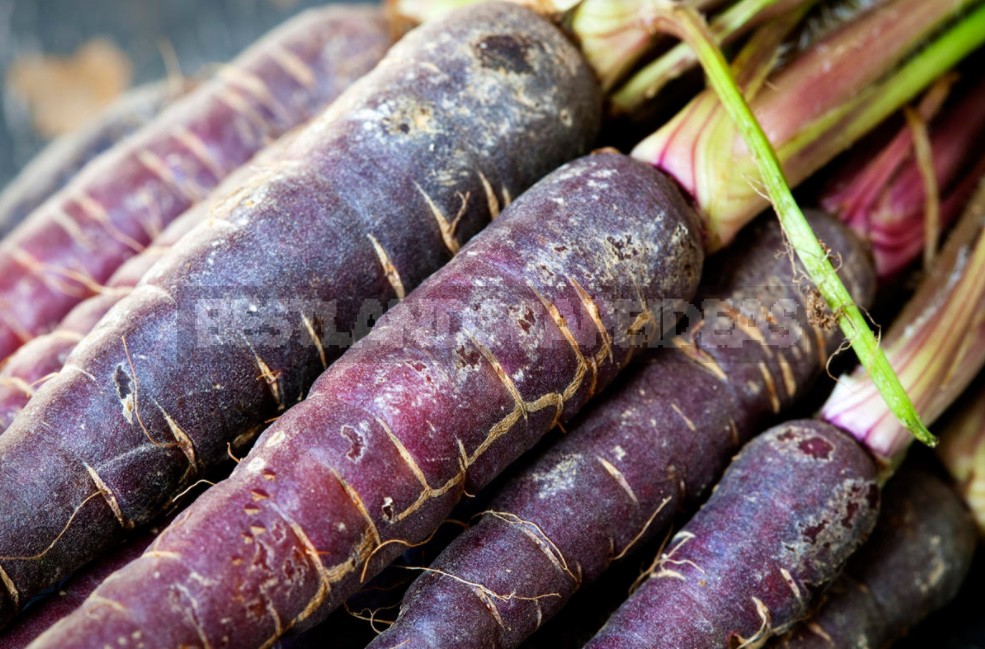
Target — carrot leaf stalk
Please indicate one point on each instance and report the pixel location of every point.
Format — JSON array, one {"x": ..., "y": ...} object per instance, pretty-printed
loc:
[
  {"x": 886, "y": 198},
  {"x": 691, "y": 28},
  {"x": 731, "y": 23},
  {"x": 936, "y": 349},
  {"x": 820, "y": 103}
]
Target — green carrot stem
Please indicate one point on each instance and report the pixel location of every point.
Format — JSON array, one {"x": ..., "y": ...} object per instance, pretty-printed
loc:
[
  {"x": 691, "y": 28},
  {"x": 645, "y": 84}
]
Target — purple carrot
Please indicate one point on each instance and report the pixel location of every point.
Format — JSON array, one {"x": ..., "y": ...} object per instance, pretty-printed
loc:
[
  {"x": 44, "y": 613},
  {"x": 72, "y": 243},
  {"x": 786, "y": 515},
  {"x": 57, "y": 164},
  {"x": 640, "y": 456},
  {"x": 41, "y": 358},
  {"x": 914, "y": 563},
  {"x": 512, "y": 336},
  {"x": 779, "y": 526},
  {"x": 238, "y": 320}
]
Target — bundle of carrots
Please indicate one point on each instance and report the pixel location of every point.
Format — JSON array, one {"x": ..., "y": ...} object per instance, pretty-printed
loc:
[{"x": 388, "y": 264}]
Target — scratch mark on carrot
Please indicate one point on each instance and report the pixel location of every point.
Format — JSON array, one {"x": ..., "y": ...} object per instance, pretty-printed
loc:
[
  {"x": 491, "y": 198},
  {"x": 310, "y": 328},
  {"x": 620, "y": 479},
  {"x": 770, "y": 387},
  {"x": 445, "y": 228},
  {"x": 293, "y": 65},
  {"x": 389, "y": 270},
  {"x": 536, "y": 533},
  {"x": 109, "y": 496},
  {"x": 136, "y": 396},
  {"x": 685, "y": 418},
  {"x": 596, "y": 317},
  {"x": 646, "y": 526},
  {"x": 197, "y": 147},
  {"x": 8, "y": 583},
  {"x": 58, "y": 537}
]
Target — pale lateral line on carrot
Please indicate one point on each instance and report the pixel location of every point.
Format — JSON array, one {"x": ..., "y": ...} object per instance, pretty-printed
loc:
[
  {"x": 54, "y": 542},
  {"x": 189, "y": 613},
  {"x": 154, "y": 164},
  {"x": 536, "y": 533},
  {"x": 54, "y": 277},
  {"x": 595, "y": 315},
  {"x": 446, "y": 229},
  {"x": 293, "y": 65},
  {"x": 256, "y": 88},
  {"x": 19, "y": 384},
  {"x": 507, "y": 198},
  {"x": 97, "y": 212},
  {"x": 360, "y": 506},
  {"x": 481, "y": 588},
  {"x": 404, "y": 454},
  {"x": 770, "y": 386},
  {"x": 405, "y": 543},
  {"x": 389, "y": 269},
  {"x": 501, "y": 374},
  {"x": 789, "y": 382},
  {"x": 819, "y": 631},
  {"x": 646, "y": 526},
  {"x": 8, "y": 583},
  {"x": 310, "y": 328},
  {"x": 662, "y": 572},
  {"x": 184, "y": 441},
  {"x": 759, "y": 638},
  {"x": 109, "y": 603},
  {"x": 792, "y": 584},
  {"x": 699, "y": 356},
  {"x": 242, "y": 108},
  {"x": 680, "y": 413},
  {"x": 562, "y": 325},
  {"x": 491, "y": 198},
  {"x": 109, "y": 496},
  {"x": 72, "y": 367},
  {"x": 72, "y": 228},
  {"x": 618, "y": 476},
  {"x": 745, "y": 323},
  {"x": 136, "y": 397},
  {"x": 197, "y": 147},
  {"x": 271, "y": 378}
]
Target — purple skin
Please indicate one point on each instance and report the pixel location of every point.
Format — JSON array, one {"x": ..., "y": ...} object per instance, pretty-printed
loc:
[
  {"x": 790, "y": 509},
  {"x": 69, "y": 246},
  {"x": 39, "y": 359},
  {"x": 512, "y": 336},
  {"x": 41, "y": 615},
  {"x": 914, "y": 563},
  {"x": 652, "y": 448},
  {"x": 354, "y": 213},
  {"x": 57, "y": 164}
]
